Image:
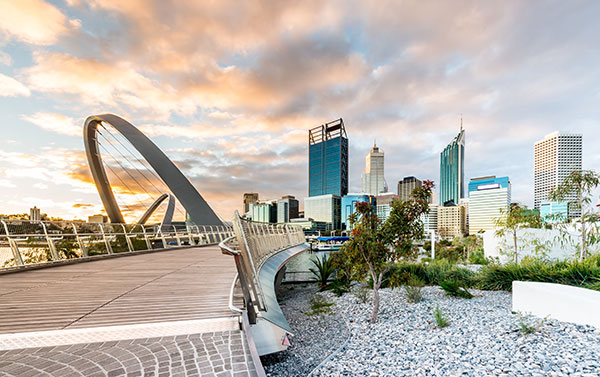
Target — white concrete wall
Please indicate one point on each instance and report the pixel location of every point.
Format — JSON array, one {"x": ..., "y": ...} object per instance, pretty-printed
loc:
[
  {"x": 502, "y": 247},
  {"x": 557, "y": 301}
]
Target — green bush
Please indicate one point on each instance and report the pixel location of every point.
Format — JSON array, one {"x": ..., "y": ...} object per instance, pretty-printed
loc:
[
  {"x": 582, "y": 274},
  {"x": 322, "y": 269},
  {"x": 477, "y": 257},
  {"x": 412, "y": 289},
  {"x": 454, "y": 289}
]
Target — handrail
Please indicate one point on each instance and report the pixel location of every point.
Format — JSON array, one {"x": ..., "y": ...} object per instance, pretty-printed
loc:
[
  {"x": 24, "y": 242},
  {"x": 256, "y": 243}
]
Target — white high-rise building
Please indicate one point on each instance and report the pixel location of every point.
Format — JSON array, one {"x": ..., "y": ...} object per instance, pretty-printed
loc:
[
  {"x": 555, "y": 158},
  {"x": 373, "y": 181},
  {"x": 488, "y": 198}
]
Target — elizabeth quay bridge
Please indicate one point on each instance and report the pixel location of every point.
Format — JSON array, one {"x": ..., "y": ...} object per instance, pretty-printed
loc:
[{"x": 158, "y": 296}]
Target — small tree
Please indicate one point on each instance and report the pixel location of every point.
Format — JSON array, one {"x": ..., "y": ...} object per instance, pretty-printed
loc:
[
  {"x": 472, "y": 243},
  {"x": 375, "y": 246},
  {"x": 579, "y": 183},
  {"x": 512, "y": 221}
]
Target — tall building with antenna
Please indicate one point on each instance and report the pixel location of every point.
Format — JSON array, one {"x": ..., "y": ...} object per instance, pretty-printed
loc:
[
  {"x": 373, "y": 181},
  {"x": 328, "y": 159},
  {"x": 452, "y": 171}
]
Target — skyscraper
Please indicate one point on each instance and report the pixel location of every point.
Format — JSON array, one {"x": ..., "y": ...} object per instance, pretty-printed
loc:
[
  {"x": 406, "y": 186},
  {"x": 373, "y": 181},
  {"x": 452, "y": 172},
  {"x": 488, "y": 196},
  {"x": 35, "y": 214},
  {"x": 287, "y": 209},
  {"x": 555, "y": 157},
  {"x": 328, "y": 159}
]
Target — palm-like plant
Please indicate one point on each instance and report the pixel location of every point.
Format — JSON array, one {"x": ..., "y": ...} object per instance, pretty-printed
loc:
[{"x": 323, "y": 269}]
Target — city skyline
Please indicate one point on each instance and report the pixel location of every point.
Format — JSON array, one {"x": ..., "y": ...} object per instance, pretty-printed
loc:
[{"x": 210, "y": 96}]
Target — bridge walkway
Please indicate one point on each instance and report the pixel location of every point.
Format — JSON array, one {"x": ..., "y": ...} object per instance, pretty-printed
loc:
[{"x": 153, "y": 314}]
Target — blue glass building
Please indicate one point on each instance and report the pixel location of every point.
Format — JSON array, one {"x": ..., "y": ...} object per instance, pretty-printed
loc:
[
  {"x": 349, "y": 205},
  {"x": 486, "y": 183},
  {"x": 328, "y": 159},
  {"x": 452, "y": 172},
  {"x": 554, "y": 212}
]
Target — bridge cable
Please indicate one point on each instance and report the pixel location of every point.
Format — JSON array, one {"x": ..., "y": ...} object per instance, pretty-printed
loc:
[
  {"x": 147, "y": 167},
  {"x": 145, "y": 164}
]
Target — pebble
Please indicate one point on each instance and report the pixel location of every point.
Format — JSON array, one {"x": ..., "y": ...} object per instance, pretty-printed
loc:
[{"x": 482, "y": 339}]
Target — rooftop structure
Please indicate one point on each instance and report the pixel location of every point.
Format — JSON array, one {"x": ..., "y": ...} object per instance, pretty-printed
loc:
[
  {"x": 373, "y": 181},
  {"x": 452, "y": 171},
  {"x": 328, "y": 159}
]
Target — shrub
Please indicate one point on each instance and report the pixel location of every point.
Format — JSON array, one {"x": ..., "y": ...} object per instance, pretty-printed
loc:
[
  {"x": 323, "y": 269},
  {"x": 477, "y": 257},
  {"x": 454, "y": 289},
  {"x": 319, "y": 305},
  {"x": 339, "y": 287},
  {"x": 440, "y": 319},
  {"x": 412, "y": 289},
  {"x": 583, "y": 274},
  {"x": 362, "y": 294}
]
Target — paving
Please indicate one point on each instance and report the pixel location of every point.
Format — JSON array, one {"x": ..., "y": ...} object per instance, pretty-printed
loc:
[{"x": 156, "y": 314}]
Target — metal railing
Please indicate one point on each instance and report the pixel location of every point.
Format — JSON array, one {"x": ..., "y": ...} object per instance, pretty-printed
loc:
[
  {"x": 251, "y": 245},
  {"x": 24, "y": 242}
]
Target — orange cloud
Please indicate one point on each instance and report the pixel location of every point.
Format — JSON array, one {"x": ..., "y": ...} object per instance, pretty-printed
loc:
[{"x": 34, "y": 21}]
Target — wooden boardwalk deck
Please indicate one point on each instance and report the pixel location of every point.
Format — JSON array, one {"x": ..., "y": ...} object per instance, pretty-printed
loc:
[{"x": 172, "y": 285}]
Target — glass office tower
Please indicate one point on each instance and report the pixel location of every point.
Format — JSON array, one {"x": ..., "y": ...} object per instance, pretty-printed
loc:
[
  {"x": 328, "y": 159},
  {"x": 452, "y": 172}
]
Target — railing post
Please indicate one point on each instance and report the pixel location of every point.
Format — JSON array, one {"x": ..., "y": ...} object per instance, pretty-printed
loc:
[
  {"x": 162, "y": 236},
  {"x": 106, "y": 240},
  {"x": 190, "y": 235},
  {"x": 127, "y": 240},
  {"x": 13, "y": 246},
  {"x": 84, "y": 252},
  {"x": 50, "y": 243},
  {"x": 148, "y": 244},
  {"x": 176, "y": 235}
]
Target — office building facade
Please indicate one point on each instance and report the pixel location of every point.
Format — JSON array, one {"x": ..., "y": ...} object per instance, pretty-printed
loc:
[
  {"x": 384, "y": 204},
  {"x": 489, "y": 197},
  {"x": 406, "y": 186},
  {"x": 349, "y": 206},
  {"x": 249, "y": 198},
  {"x": 324, "y": 208},
  {"x": 554, "y": 212},
  {"x": 287, "y": 209},
  {"x": 328, "y": 160},
  {"x": 264, "y": 211},
  {"x": 555, "y": 157},
  {"x": 373, "y": 181},
  {"x": 35, "y": 214},
  {"x": 451, "y": 221},
  {"x": 452, "y": 172},
  {"x": 430, "y": 217}
]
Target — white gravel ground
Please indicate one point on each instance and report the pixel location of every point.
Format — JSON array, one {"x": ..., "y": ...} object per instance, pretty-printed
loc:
[{"x": 482, "y": 340}]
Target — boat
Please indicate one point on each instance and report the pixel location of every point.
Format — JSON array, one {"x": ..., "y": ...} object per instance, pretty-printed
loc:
[{"x": 328, "y": 243}]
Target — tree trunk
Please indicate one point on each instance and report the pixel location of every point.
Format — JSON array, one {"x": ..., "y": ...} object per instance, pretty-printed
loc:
[
  {"x": 375, "y": 302},
  {"x": 516, "y": 258}
]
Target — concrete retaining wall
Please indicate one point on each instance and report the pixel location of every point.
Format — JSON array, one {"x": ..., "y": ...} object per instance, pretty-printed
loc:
[{"x": 557, "y": 301}]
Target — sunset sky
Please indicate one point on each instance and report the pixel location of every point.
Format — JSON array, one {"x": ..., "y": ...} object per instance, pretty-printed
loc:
[{"x": 228, "y": 89}]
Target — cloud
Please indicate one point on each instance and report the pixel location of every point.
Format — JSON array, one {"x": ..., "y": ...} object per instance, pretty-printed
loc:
[
  {"x": 34, "y": 21},
  {"x": 12, "y": 88},
  {"x": 58, "y": 123}
]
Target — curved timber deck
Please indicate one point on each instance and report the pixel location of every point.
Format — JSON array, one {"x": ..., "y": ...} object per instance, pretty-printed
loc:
[{"x": 163, "y": 313}]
